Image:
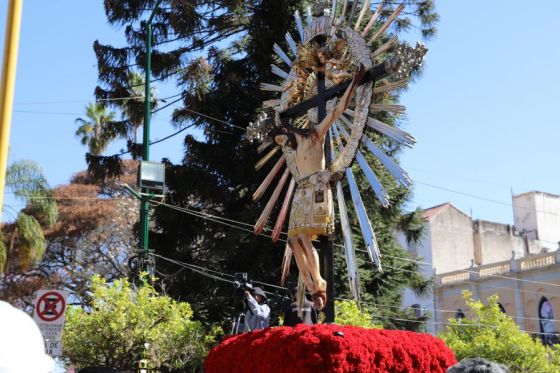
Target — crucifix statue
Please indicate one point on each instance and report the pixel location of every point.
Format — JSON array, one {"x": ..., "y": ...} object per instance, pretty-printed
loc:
[
  {"x": 325, "y": 100},
  {"x": 312, "y": 212}
]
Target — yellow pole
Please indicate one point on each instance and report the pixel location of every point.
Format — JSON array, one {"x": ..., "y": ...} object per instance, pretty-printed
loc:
[{"x": 11, "y": 44}]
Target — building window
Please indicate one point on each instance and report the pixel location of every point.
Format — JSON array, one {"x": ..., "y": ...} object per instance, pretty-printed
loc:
[
  {"x": 459, "y": 314},
  {"x": 417, "y": 310},
  {"x": 549, "y": 335}
]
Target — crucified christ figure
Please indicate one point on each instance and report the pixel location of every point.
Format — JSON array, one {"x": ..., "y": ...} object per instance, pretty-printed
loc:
[{"x": 312, "y": 211}]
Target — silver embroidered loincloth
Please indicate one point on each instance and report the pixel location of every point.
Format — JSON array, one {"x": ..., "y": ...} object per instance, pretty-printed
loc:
[{"x": 312, "y": 206}]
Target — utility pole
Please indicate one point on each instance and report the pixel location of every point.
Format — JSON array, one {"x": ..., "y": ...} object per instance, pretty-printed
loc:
[
  {"x": 11, "y": 44},
  {"x": 144, "y": 199}
]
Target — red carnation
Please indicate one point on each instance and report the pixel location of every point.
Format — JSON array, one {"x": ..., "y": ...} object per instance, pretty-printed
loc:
[{"x": 330, "y": 348}]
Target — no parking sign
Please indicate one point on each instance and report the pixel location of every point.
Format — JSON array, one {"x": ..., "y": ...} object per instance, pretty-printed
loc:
[{"x": 49, "y": 309}]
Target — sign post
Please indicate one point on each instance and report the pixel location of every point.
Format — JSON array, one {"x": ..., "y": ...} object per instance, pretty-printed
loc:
[{"x": 48, "y": 313}]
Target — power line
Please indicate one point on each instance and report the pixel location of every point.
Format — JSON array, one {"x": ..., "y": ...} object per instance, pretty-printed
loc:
[
  {"x": 171, "y": 135},
  {"x": 75, "y": 198},
  {"x": 284, "y": 288},
  {"x": 213, "y": 118},
  {"x": 76, "y": 101},
  {"x": 45, "y": 112},
  {"x": 203, "y": 271},
  {"x": 223, "y": 221},
  {"x": 459, "y": 177},
  {"x": 213, "y": 218},
  {"x": 157, "y": 141},
  {"x": 216, "y": 219},
  {"x": 97, "y": 100},
  {"x": 227, "y": 222},
  {"x": 483, "y": 198}
]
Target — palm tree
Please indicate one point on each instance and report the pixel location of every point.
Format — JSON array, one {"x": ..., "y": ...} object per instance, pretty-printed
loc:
[
  {"x": 93, "y": 130},
  {"x": 24, "y": 240},
  {"x": 133, "y": 108}
]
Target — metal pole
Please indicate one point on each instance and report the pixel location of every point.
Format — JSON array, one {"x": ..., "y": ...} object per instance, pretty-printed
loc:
[
  {"x": 147, "y": 95},
  {"x": 325, "y": 244},
  {"x": 11, "y": 44},
  {"x": 144, "y": 212}
]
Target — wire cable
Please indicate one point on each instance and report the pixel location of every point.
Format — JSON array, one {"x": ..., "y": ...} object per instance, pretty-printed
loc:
[
  {"x": 204, "y": 271},
  {"x": 483, "y": 198},
  {"x": 216, "y": 219}
]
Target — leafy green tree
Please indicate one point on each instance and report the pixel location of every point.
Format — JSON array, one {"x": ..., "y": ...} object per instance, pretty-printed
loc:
[
  {"x": 489, "y": 333},
  {"x": 218, "y": 52},
  {"x": 93, "y": 131},
  {"x": 124, "y": 325}
]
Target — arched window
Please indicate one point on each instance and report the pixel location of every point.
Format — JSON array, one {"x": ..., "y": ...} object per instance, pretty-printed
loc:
[
  {"x": 417, "y": 310},
  {"x": 459, "y": 314},
  {"x": 546, "y": 318},
  {"x": 502, "y": 308}
]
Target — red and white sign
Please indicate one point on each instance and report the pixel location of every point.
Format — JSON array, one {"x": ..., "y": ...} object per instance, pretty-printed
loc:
[
  {"x": 50, "y": 306},
  {"x": 49, "y": 309}
]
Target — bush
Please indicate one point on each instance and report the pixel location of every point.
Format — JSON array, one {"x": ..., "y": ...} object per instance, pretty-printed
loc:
[
  {"x": 491, "y": 334},
  {"x": 348, "y": 313},
  {"x": 125, "y": 325}
]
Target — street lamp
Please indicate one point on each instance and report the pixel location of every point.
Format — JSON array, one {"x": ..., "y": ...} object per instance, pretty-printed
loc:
[
  {"x": 144, "y": 199},
  {"x": 151, "y": 177}
]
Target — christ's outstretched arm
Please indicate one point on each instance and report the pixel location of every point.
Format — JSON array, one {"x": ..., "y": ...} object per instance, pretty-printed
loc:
[{"x": 342, "y": 105}]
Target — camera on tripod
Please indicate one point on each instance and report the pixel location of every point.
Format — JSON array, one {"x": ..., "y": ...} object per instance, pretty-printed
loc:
[{"x": 241, "y": 283}]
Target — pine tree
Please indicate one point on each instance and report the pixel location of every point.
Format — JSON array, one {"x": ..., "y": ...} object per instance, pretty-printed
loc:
[{"x": 219, "y": 52}]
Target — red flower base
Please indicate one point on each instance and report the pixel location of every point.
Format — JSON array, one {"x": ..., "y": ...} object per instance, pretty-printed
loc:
[{"x": 330, "y": 348}]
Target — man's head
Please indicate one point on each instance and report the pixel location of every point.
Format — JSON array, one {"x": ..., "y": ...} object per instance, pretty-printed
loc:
[
  {"x": 260, "y": 295},
  {"x": 477, "y": 365},
  {"x": 283, "y": 136}
]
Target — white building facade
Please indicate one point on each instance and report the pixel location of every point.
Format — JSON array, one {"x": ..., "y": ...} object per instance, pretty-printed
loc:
[{"x": 520, "y": 263}]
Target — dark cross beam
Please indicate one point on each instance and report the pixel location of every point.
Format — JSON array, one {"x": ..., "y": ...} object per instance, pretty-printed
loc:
[
  {"x": 320, "y": 102},
  {"x": 376, "y": 73}
]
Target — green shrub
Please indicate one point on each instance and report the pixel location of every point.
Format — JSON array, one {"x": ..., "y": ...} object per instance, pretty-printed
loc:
[
  {"x": 125, "y": 325},
  {"x": 491, "y": 334},
  {"x": 348, "y": 313}
]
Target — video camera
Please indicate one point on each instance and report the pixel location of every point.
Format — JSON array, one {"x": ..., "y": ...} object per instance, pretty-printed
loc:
[{"x": 241, "y": 283}]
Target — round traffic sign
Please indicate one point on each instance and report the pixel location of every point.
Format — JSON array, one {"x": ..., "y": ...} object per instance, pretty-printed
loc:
[{"x": 50, "y": 306}]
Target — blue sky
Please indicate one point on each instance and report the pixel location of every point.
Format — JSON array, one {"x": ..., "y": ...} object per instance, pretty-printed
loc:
[{"x": 484, "y": 112}]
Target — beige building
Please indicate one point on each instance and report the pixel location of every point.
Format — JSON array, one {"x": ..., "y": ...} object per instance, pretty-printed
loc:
[{"x": 520, "y": 263}]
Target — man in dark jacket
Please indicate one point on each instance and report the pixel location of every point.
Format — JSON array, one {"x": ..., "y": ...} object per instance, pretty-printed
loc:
[{"x": 290, "y": 310}]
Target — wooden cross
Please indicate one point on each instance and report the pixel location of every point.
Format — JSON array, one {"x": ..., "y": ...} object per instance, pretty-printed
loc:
[{"x": 320, "y": 102}]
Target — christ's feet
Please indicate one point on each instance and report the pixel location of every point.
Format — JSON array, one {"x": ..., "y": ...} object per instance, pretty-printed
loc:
[{"x": 319, "y": 299}]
